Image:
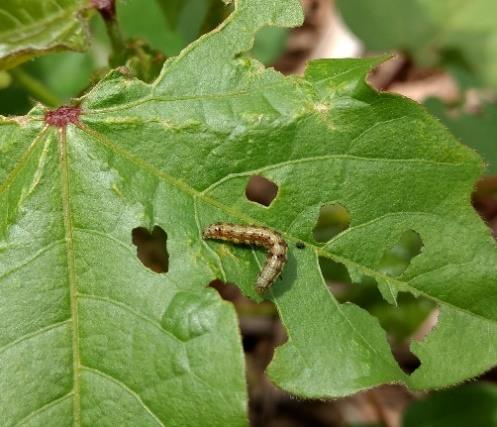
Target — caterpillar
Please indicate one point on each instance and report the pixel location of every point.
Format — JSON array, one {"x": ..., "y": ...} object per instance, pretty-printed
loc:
[{"x": 253, "y": 235}]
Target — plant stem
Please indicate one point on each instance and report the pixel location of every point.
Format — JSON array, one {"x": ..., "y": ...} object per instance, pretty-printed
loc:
[
  {"x": 117, "y": 42},
  {"x": 107, "y": 9},
  {"x": 35, "y": 88}
]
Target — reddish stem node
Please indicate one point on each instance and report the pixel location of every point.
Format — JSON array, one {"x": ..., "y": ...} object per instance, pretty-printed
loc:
[
  {"x": 63, "y": 116},
  {"x": 107, "y": 8}
]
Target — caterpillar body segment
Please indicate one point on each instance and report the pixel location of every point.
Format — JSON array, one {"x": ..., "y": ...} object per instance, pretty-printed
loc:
[{"x": 252, "y": 235}]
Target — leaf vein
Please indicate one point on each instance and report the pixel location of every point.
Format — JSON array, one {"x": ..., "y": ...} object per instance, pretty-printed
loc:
[
  {"x": 347, "y": 320},
  {"x": 152, "y": 98},
  {"x": 34, "y": 334},
  {"x": 71, "y": 272},
  {"x": 22, "y": 162},
  {"x": 44, "y": 408},
  {"x": 107, "y": 237},
  {"x": 39, "y": 253},
  {"x": 131, "y": 310},
  {"x": 122, "y": 385},
  {"x": 324, "y": 158}
]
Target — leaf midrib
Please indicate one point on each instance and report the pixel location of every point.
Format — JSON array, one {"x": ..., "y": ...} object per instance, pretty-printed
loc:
[{"x": 71, "y": 271}]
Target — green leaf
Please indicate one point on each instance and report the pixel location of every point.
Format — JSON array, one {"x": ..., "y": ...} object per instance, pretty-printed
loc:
[
  {"x": 64, "y": 75},
  {"x": 169, "y": 25},
  {"x": 453, "y": 32},
  {"x": 90, "y": 336},
  {"x": 31, "y": 28},
  {"x": 478, "y": 130},
  {"x": 472, "y": 405},
  {"x": 145, "y": 20}
]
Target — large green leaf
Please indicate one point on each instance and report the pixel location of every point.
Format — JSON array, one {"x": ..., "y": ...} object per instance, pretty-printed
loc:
[
  {"x": 90, "y": 336},
  {"x": 32, "y": 27},
  {"x": 456, "y": 32}
]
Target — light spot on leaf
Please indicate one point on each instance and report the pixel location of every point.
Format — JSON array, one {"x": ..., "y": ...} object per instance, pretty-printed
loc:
[{"x": 321, "y": 108}]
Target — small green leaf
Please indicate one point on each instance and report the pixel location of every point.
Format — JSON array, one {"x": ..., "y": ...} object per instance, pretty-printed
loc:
[{"x": 32, "y": 28}]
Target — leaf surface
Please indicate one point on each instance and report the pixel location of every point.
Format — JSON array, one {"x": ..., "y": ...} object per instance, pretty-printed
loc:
[
  {"x": 117, "y": 344},
  {"x": 31, "y": 28}
]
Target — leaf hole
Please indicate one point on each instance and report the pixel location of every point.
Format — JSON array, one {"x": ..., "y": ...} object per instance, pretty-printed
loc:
[
  {"x": 406, "y": 359},
  {"x": 227, "y": 291},
  {"x": 259, "y": 322},
  {"x": 333, "y": 219},
  {"x": 151, "y": 248},
  {"x": 485, "y": 201},
  {"x": 402, "y": 322},
  {"x": 261, "y": 190},
  {"x": 423, "y": 330},
  {"x": 397, "y": 258}
]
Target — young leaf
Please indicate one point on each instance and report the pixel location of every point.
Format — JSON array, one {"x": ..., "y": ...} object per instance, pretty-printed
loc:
[
  {"x": 92, "y": 337},
  {"x": 34, "y": 28}
]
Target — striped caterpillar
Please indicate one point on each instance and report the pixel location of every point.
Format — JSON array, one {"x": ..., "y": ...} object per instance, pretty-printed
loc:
[{"x": 256, "y": 236}]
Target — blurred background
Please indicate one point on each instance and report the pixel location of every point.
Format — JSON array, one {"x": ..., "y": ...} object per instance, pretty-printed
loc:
[{"x": 444, "y": 56}]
